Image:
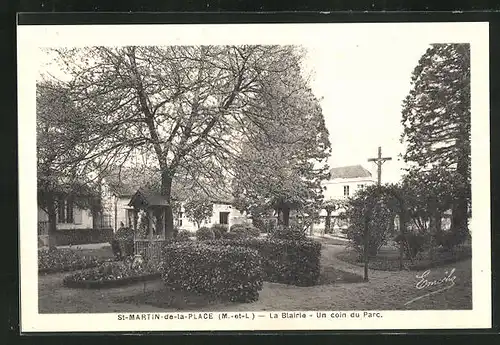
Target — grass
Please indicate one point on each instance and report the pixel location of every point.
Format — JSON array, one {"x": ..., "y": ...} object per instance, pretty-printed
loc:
[{"x": 340, "y": 288}]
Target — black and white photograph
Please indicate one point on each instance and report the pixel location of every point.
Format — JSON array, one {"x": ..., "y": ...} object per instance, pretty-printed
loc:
[{"x": 260, "y": 176}]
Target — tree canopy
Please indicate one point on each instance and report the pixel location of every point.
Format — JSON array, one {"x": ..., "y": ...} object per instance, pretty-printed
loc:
[{"x": 436, "y": 121}]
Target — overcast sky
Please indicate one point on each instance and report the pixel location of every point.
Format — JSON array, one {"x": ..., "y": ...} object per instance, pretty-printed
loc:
[{"x": 363, "y": 85}]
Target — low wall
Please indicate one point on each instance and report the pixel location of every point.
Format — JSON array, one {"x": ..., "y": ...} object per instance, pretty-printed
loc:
[{"x": 83, "y": 236}]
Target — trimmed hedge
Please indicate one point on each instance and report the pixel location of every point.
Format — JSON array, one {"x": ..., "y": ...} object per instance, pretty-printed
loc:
[
  {"x": 284, "y": 261},
  {"x": 245, "y": 230},
  {"x": 221, "y": 271},
  {"x": 82, "y": 236},
  {"x": 205, "y": 233}
]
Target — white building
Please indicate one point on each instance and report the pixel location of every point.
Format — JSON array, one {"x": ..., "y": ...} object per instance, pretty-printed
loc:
[{"x": 344, "y": 182}]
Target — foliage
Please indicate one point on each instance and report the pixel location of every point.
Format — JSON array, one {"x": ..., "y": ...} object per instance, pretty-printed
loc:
[
  {"x": 450, "y": 239},
  {"x": 111, "y": 271},
  {"x": 283, "y": 163},
  {"x": 219, "y": 230},
  {"x": 61, "y": 146},
  {"x": 221, "y": 271},
  {"x": 123, "y": 242},
  {"x": 436, "y": 121},
  {"x": 284, "y": 261},
  {"x": 244, "y": 230},
  {"x": 205, "y": 233},
  {"x": 373, "y": 207},
  {"x": 293, "y": 232},
  {"x": 413, "y": 243},
  {"x": 198, "y": 209},
  {"x": 183, "y": 235},
  {"x": 59, "y": 260},
  {"x": 181, "y": 109}
]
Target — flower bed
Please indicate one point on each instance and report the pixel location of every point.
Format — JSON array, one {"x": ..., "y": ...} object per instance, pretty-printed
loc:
[
  {"x": 61, "y": 260},
  {"x": 111, "y": 274}
]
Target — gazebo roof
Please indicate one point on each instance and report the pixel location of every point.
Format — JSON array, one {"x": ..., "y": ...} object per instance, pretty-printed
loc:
[{"x": 144, "y": 198}]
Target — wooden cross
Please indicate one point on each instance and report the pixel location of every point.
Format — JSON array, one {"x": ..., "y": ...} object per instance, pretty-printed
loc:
[{"x": 379, "y": 161}]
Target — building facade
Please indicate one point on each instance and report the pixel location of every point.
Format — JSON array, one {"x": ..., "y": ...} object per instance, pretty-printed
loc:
[{"x": 343, "y": 183}]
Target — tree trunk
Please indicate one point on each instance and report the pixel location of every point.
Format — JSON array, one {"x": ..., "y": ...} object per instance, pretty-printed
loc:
[
  {"x": 402, "y": 230},
  {"x": 365, "y": 247},
  {"x": 286, "y": 216},
  {"x": 459, "y": 210},
  {"x": 52, "y": 231},
  {"x": 166, "y": 191},
  {"x": 328, "y": 221}
]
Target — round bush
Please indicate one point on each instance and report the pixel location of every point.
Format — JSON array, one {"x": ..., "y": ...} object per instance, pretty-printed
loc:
[
  {"x": 182, "y": 235},
  {"x": 245, "y": 230},
  {"x": 122, "y": 243},
  {"x": 205, "y": 233},
  {"x": 219, "y": 230}
]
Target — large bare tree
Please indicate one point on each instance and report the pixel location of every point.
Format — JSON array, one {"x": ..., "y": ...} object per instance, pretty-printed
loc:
[{"x": 184, "y": 109}]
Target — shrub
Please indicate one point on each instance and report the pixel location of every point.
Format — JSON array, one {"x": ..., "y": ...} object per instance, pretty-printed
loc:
[
  {"x": 219, "y": 230},
  {"x": 230, "y": 236},
  {"x": 292, "y": 232},
  {"x": 413, "y": 243},
  {"x": 245, "y": 230},
  {"x": 111, "y": 271},
  {"x": 205, "y": 233},
  {"x": 59, "y": 260},
  {"x": 450, "y": 239},
  {"x": 182, "y": 235},
  {"x": 123, "y": 242},
  {"x": 219, "y": 270},
  {"x": 284, "y": 261}
]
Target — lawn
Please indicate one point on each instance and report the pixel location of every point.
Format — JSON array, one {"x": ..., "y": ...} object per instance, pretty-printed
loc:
[{"x": 340, "y": 288}]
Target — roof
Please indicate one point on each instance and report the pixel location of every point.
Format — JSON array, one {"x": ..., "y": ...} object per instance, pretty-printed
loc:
[
  {"x": 143, "y": 197},
  {"x": 352, "y": 171}
]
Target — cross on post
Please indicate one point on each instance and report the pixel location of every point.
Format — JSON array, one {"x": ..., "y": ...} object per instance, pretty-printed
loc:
[{"x": 379, "y": 161}]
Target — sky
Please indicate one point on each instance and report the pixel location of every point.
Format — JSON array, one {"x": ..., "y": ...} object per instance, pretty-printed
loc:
[{"x": 362, "y": 86}]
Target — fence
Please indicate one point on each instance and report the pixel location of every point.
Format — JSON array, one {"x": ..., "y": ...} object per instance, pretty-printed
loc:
[{"x": 149, "y": 249}]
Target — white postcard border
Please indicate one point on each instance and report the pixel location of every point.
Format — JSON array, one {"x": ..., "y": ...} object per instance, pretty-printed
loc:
[{"x": 31, "y": 38}]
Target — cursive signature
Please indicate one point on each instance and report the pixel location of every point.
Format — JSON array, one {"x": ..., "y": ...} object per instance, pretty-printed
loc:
[{"x": 447, "y": 282}]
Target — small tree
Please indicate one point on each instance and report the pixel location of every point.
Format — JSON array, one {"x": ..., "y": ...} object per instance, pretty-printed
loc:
[{"x": 198, "y": 209}]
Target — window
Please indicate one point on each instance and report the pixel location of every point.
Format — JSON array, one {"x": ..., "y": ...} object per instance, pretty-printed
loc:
[
  {"x": 361, "y": 186},
  {"x": 346, "y": 190},
  {"x": 65, "y": 210},
  {"x": 179, "y": 220},
  {"x": 224, "y": 218}
]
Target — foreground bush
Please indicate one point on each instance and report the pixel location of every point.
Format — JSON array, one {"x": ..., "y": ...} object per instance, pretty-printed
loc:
[
  {"x": 111, "y": 272},
  {"x": 205, "y": 233},
  {"x": 60, "y": 260},
  {"x": 218, "y": 270},
  {"x": 244, "y": 230},
  {"x": 284, "y": 261}
]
